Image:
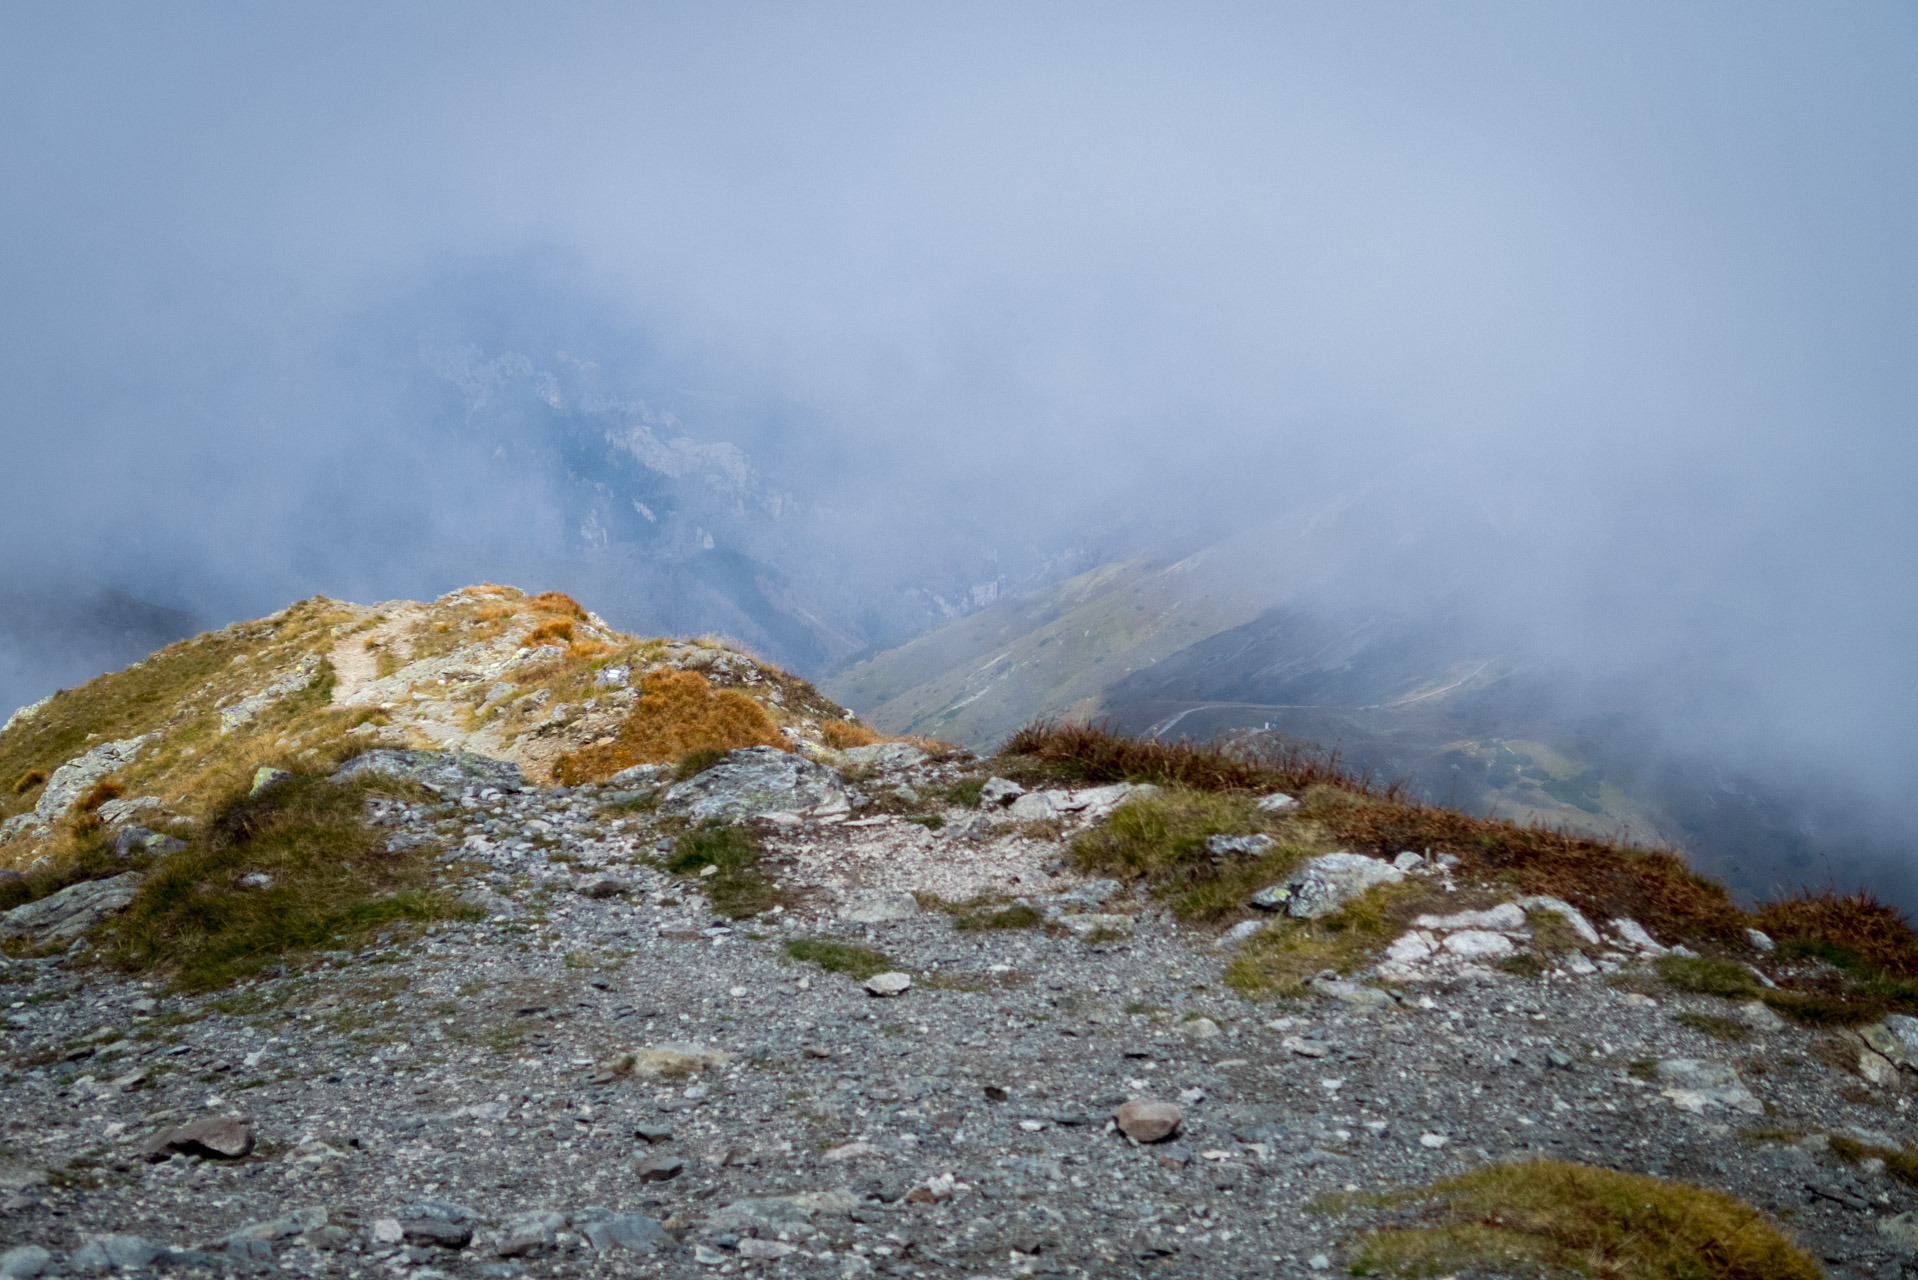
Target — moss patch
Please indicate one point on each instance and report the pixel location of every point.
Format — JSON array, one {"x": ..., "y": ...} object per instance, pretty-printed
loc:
[
  {"x": 1552, "y": 1215},
  {"x": 858, "y": 963}
]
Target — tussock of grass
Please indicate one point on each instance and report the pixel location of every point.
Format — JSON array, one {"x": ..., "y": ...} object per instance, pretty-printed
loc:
[
  {"x": 738, "y": 889},
  {"x": 561, "y": 603},
  {"x": 28, "y": 781},
  {"x": 333, "y": 884},
  {"x": 1552, "y": 1214},
  {"x": 1160, "y": 839},
  {"x": 1727, "y": 1029},
  {"x": 679, "y": 712},
  {"x": 841, "y": 734},
  {"x": 1856, "y": 924},
  {"x": 1901, "y": 1164},
  {"x": 858, "y": 963},
  {"x": 551, "y": 631}
]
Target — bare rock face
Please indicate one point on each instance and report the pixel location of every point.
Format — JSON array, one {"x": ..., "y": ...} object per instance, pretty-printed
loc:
[
  {"x": 1144, "y": 1121},
  {"x": 755, "y": 781},
  {"x": 1324, "y": 884},
  {"x": 446, "y": 772},
  {"x": 216, "y": 1137},
  {"x": 72, "y": 911}
]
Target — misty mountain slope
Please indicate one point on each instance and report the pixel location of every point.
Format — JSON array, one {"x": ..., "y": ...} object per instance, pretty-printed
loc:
[
  {"x": 1431, "y": 695},
  {"x": 1053, "y": 651}
]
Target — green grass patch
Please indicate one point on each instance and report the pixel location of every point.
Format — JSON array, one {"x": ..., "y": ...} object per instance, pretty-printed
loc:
[
  {"x": 1160, "y": 839},
  {"x": 1553, "y": 1216},
  {"x": 737, "y": 888},
  {"x": 331, "y": 884},
  {"x": 1282, "y": 957},
  {"x": 1708, "y": 976},
  {"x": 858, "y": 963},
  {"x": 1017, "y": 916},
  {"x": 963, "y": 794}
]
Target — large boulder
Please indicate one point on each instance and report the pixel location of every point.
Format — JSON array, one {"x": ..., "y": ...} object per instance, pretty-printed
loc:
[
  {"x": 1324, "y": 884},
  {"x": 444, "y": 772},
  {"x": 884, "y": 755},
  {"x": 755, "y": 781},
  {"x": 72, "y": 911},
  {"x": 77, "y": 776}
]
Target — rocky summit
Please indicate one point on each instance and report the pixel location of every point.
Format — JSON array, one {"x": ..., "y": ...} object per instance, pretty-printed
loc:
[{"x": 474, "y": 938}]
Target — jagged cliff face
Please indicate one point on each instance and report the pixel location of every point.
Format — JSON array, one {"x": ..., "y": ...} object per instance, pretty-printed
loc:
[{"x": 488, "y": 670}]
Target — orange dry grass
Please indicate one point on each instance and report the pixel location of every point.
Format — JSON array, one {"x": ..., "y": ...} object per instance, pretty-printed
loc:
[
  {"x": 841, "y": 734},
  {"x": 1858, "y": 922},
  {"x": 553, "y": 629},
  {"x": 678, "y": 713},
  {"x": 28, "y": 781},
  {"x": 586, "y": 650},
  {"x": 104, "y": 790},
  {"x": 559, "y": 602}
]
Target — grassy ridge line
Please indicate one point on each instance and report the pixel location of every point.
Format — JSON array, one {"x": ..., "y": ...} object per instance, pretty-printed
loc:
[{"x": 1855, "y": 932}]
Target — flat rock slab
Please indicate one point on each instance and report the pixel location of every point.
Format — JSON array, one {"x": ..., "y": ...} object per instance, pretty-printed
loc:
[
  {"x": 755, "y": 781},
  {"x": 888, "y": 984},
  {"x": 72, "y": 911},
  {"x": 443, "y": 772},
  {"x": 217, "y": 1137}
]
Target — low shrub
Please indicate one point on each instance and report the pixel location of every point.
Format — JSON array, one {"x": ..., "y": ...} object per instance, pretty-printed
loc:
[
  {"x": 560, "y": 602},
  {"x": 28, "y": 781}
]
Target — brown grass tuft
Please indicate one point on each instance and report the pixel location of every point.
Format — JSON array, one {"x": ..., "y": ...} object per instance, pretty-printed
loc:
[
  {"x": 841, "y": 734},
  {"x": 560, "y": 602},
  {"x": 102, "y": 791},
  {"x": 679, "y": 713},
  {"x": 553, "y": 630},
  {"x": 1874, "y": 931},
  {"x": 28, "y": 781},
  {"x": 587, "y": 650}
]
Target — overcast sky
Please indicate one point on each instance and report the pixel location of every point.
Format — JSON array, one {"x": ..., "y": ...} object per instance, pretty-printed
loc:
[{"x": 1632, "y": 282}]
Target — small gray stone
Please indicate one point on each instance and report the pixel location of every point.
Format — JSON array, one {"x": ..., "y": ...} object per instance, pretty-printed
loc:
[
  {"x": 659, "y": 1168},
  {"x": 880, "y": 907},
  {"x": 606, "y": 1230},
  {"x": 112, "y": 1252},
  {"x": 888, "y": 984},
  {"x": 525, "y": 1234},
  {"x": 1277, "y": 802},
  {"x": 1223, "y": 847},
  {"x": 25, "y": 1262},
  {"x": 1146, "y": 1121},
  {"x": 998, "y": 793}
]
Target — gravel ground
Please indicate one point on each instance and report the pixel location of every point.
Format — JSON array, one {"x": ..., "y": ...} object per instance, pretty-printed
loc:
[{"x": 454, "y": 1089}]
